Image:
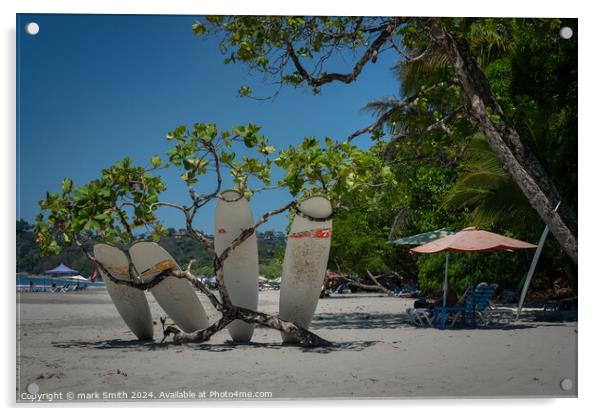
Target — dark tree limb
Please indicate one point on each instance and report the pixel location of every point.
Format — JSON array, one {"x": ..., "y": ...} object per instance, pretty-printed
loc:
[
  {"x": 200, "y": 200},
  {"x": 231, "y": 312},
  {"x": 187, "y": 274},
  {"x": 376, "y": 286},
  {"x": 201, "y": 335},
  {"x": 306, "y": 338},
  {"x": 387, "y": 32},
  {"x": 377, "y": 283},
  {"x": 362, "y": 285},
  {"x": 246, "y": 233}
]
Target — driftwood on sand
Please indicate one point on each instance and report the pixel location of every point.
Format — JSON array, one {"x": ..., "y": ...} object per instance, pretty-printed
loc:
[{"x": 223, "y": 303}]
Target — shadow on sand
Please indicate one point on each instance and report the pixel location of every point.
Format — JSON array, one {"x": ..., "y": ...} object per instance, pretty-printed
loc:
[
  {"x": 108, "y": 344},
  {"x": 358, "y": 320},
  {"x": 336, "y": 346},
  {"x": 136, "y": 345}
]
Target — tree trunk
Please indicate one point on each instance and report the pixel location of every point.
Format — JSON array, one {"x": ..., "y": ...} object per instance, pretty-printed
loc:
[
  {"x": 518, "y": 160},
  {"x": 571, "y": 275}
]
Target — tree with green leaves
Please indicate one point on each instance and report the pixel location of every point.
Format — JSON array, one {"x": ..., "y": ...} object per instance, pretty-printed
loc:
[
  {"x": 125, "y": 198},
  {"x": 450, "y": 99}
]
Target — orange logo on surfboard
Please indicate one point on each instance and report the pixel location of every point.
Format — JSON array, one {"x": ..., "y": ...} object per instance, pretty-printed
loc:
[
  {"x": 317, "y": 233},
  {"x": 159, "y": 267}
]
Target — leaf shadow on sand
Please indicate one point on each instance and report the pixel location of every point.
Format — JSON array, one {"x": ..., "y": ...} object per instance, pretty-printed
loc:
[
  {"x": 358, "y": 320},
  {"x": 335, "y": 346},
  {"x": 136, "y": 345},
  {"x": 108, "y": 344},
  {"x": 363, "y": 320}
]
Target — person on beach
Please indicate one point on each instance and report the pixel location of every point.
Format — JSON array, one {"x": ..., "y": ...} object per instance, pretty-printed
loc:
[{"x": 452, "y": 299}]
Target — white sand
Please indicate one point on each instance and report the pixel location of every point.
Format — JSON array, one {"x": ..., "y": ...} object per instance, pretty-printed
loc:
[{"x": 76, "y": 342}]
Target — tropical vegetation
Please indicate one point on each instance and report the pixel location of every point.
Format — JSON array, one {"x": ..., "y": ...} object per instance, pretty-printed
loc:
[{"x": 483, "y": 131}]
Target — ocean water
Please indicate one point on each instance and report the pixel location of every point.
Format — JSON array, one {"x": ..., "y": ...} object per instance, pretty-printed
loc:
[{"x": 44, "y": 283}]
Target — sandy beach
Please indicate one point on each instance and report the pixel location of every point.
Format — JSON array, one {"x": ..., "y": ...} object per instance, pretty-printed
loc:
[{"x": 77, "y": 343}]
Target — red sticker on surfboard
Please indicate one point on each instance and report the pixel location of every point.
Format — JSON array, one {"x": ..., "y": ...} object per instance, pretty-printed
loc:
[{"x": 317, "y": 233}]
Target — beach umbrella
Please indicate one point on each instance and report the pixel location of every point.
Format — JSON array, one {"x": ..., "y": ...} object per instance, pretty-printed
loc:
[
  {"x": 471, "y": 239},
  {"x": 78, "y": 278},
  {"x": 423, "y": 238}
]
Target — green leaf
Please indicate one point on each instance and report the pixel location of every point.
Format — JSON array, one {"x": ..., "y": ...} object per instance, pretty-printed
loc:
[
  {"x": 239, "y": 130},
  {"x": 180, "y": 131},
  {"x": 67, "y": 185},
  {"x": 250, "y": 141},
  {"x": 244, "y": 91},
  {"x": 188, "y": 164},
  {"x": 152, "y": 199},
  {"x": 156, "y": 161},
  {"x": 199, "y": 29}
]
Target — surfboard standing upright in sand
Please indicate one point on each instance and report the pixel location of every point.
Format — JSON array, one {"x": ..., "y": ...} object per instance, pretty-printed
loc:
[
  {"x": 131, "y": 303},
  {"x": 176, "y": 296},
  {"x": 241, "y": 268},
  {"x": 305, "y": 262}
]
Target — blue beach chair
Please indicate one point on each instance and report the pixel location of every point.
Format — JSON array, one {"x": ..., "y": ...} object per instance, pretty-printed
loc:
[{"x": 469, "y": 310}]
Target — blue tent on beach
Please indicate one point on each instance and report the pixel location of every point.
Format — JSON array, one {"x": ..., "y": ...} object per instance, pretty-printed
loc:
[{"x": 61, "y": 270}]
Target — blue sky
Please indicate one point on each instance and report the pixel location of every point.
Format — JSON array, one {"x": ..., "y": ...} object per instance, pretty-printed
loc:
[{"x": 95, "y": 88}]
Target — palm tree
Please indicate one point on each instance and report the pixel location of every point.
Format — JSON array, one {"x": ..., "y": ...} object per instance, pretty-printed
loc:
[
  {"x": 443, "y": 63},
  {"x": 486, "y": 189}
]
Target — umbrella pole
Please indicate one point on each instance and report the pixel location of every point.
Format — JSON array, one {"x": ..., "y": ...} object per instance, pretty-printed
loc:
[
  {"x": 442, "y": 322},
  {"x": 542, "y": 240}
]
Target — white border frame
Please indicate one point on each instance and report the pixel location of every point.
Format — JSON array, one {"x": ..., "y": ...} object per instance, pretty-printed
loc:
[{"x": 590, "y": 150}]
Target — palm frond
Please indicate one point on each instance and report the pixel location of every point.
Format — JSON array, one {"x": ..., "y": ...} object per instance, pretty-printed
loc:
[
  {"x": 380, "y": 106},
  {"x": 489, "y": 39},
  {"x": 413, "y": 72},
  {"x": 486, "y": 189}
]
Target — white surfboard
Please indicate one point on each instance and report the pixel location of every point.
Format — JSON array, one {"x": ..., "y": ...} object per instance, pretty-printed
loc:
[
  {"x": 241, "y": 268},
  {"x": 176, "y": 296},
  {"x": 305, "y": 262},
  {"x": 131, "y": 303}
]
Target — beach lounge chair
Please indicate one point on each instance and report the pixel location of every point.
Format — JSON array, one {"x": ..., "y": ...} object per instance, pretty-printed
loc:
[
  {"x": 470, "y": 309},
  {"x": 427, "y": 317},
  {"x": 451, "y": 310},
  {"x": 419, "y": 317},
  {"x": 493, "y": 314},
  {"x": 496, "y": 315},
  {"x": 65, "y": 288},
  {"x": 512, "y": 296}
]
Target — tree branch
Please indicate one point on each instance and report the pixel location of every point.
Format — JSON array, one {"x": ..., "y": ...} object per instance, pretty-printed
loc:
[
  {"x": 140, "y": 285},
  {"x": 387, "y": 32},
  {"x": 246, "y": 233},
  {"x": 306, "y": 338},
  {"x": 384, "y": 289},
  {"x": 201, "y": 335}
]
